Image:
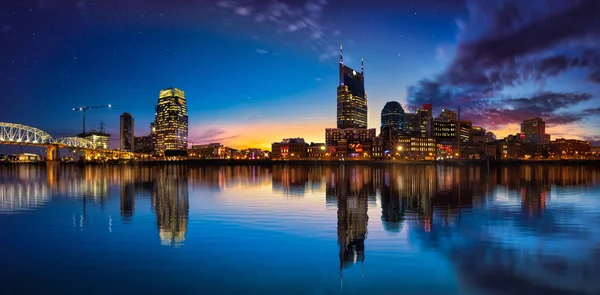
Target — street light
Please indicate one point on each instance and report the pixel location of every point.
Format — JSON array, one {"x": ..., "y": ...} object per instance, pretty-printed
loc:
[{"x": 400, "y": 148}]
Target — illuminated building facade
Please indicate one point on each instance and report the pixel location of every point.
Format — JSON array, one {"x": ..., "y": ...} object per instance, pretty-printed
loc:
[
  {"x": 208, "y": 151},
  {"x": 100, "y": 139},
  {"x": 350, "y": 142},
  {"x": 351, "y": 98},
  {"x": 127, "y": 141},
  {"x": 317, "y": 150},
  {"x": 289, "y": 148},
  {"x": 171, "y": 123}
]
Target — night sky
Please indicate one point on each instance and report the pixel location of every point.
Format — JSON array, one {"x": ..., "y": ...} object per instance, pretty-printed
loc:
[{"x": 258, "y": 71}]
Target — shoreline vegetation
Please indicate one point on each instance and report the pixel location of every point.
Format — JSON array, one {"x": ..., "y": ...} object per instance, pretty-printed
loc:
[{"x": 225, "y": 162}]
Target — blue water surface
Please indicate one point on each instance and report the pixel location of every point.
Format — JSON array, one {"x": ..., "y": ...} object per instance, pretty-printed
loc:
[{"x": 299, "y": 229}]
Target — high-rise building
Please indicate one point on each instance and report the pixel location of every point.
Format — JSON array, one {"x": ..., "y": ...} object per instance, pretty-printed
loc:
[
  {"x": 126, "y": 133},
  {"x": 535, "y": 125},
  {"x": 171, "y": 121},
  {"x": 351, "y": 98},
  {"x": 535, "y": 131},
  {"x": 411, "y": 123},
  {"x": 392, "y": 117},
  {"x": 425, "y": 115}
]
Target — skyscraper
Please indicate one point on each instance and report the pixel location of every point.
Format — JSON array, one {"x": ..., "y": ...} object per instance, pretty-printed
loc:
[
  {"x": 126, "y": 132},
  {"x": 392, "y": 117},
  {"x": 171, "y": 121},
  {"x": 351, "y": 98},
  {"x": 533, "y": 126},
  {"x": 535, "y": 131},
  {"x": 425, "y": 114}
]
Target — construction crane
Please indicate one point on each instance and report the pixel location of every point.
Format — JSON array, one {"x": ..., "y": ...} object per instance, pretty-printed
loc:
[{"x": 85, "y": 109}]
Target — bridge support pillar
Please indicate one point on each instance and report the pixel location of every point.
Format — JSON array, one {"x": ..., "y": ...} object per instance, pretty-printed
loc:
[
  {"x": 88, "y": 155},
  {"x": 52, "y": 153}
]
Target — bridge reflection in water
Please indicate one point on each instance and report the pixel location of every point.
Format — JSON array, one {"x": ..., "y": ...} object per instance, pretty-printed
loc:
[{"x": 445, "y": 207}]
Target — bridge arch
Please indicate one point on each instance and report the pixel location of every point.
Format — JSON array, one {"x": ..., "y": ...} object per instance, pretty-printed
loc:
[
  {"x": 75, "y": 142},
  {"x": 23, "y": 134}
]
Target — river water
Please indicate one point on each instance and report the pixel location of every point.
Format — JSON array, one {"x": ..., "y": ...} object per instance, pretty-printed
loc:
[{"x": 307, "y": 229}]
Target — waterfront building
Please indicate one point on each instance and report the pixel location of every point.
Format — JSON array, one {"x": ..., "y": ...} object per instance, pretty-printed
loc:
[
  {"x": 392, "y": 117},
  {"x": 351, "y": 97},
  {"x": 289, "y": 148},
  {"x": 127, "y": 142},
  {"x": 171, "y": 123},
  {"x": 562, "y": 148},
  {"x": 253, "y": 154},
  {"x": 414, "y": 147},
  {"x": 100, "y": 139},
  {"x": 208, "y": 151},
  {"x": 350, "y": 142},
  {"x": 317, "y": 150}
]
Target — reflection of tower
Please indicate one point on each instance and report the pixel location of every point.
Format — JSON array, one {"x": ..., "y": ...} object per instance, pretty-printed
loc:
[
  {"x": 352, "y": 203},
  {"x": 392, "y": 209},
  {"x": 127, "y": 200},
  {"x": 171, "y": 204}
]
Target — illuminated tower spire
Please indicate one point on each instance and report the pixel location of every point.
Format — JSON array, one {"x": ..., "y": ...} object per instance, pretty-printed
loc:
[
  {"x": 362, "y": 66},
  {"x": 341, "y": 66}
]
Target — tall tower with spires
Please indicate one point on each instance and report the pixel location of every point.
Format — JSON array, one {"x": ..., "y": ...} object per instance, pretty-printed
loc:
[{"x": 351, "y": 97}]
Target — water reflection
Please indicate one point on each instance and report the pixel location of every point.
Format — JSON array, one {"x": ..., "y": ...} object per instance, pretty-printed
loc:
[
  {"x": 518, "y": 229},
  {"x": 170, "y": 201}
]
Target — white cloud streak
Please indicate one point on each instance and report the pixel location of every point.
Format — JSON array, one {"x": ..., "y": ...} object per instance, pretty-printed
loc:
[{"x": 288, "y": 18}]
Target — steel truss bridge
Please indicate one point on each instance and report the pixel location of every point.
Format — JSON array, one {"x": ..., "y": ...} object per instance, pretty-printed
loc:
[{"x": 18, "y": 134}]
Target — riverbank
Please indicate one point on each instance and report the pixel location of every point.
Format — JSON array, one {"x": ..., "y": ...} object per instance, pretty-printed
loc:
[{"x": 223, "y": 162}]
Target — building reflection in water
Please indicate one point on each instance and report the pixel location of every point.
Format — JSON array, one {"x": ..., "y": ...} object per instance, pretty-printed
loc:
[
  {"x": 351, "y": 187},
  {"x": 463, "y": 212},
  {"x": 170, "y": 201},
  {"x": 127, "y": 200}
]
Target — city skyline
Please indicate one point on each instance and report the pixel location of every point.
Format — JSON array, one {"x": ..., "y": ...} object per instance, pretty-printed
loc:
[{"x": 226, "y": 57}]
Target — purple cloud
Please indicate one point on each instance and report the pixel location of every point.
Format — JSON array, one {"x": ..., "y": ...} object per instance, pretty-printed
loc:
[{"x": 509, "y": 43}]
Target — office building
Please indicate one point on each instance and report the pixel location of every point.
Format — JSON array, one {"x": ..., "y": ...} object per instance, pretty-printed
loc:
[
  {"x": 411, "y": 123},
  {"x": 535, "y": 125},
  {"x": 171, "y": 123},
  {"x": 351, "y": 98},
  {"x": 126, "y": 133},
  {"x": 392, "y": 117},
  {"x": 424, "y": 116},
  {"x": 100, "y": 139},
  {"x": 534, "y": 131}
]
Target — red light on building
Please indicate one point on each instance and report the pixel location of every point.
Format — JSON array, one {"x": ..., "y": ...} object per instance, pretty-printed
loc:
[{"x": 427, "y": 106}]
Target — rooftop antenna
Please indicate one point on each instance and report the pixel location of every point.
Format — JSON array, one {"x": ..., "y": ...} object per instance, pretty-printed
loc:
[
  {"x": 362, "y": 66},
  {"x": 102, "y": 127}
]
